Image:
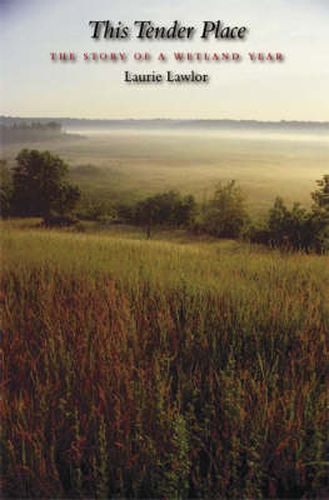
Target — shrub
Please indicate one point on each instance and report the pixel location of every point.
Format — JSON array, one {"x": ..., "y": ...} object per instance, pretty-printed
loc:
[{"x": 225, "y": 215}]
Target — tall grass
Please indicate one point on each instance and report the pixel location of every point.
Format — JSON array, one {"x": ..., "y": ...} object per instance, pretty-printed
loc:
[{"x": 151, "y": 369}]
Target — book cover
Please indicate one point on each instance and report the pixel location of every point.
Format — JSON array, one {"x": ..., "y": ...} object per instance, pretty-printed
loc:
[{"x": 164, "y": 249}]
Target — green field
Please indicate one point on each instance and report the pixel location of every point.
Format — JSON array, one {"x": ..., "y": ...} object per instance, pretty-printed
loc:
[
  {"x": 161, "y": 369},
  {"x": 125, "y": 166}
]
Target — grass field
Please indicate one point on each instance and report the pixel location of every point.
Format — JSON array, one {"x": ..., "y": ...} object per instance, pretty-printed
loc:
[
  {"x": 161, "y": 369},
  {"x": 178, "y": 367},
  {"x": 124, "y": 166}
]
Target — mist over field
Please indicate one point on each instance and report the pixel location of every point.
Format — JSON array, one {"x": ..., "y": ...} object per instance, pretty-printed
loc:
[{"x": 130, "y": 160}]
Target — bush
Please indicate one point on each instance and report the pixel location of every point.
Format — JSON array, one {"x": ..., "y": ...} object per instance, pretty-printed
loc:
[
  {"x": 297, "y": 229},
  {"x": 5, "y": 189},
  {"x": 165, "y": 209},
  {"x": 60, "y": 221},
  {"x": 225, "y": 216}
]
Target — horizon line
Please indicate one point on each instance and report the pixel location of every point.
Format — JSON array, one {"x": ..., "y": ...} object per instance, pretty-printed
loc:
[{"x": 239, "y": 120}]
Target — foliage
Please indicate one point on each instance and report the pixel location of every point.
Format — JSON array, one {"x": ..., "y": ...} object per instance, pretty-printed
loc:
[
  {"x": 138, "y": 369},
  {"x": 225, "y": 215},
  {"x": 321, "y": 195},
  {"x": 297, "y": 228},
  {"x": 40, "y": 185},
  {"x": 170, "y": 209},
  {"x": 30, "y": 132},
  {"x": 92, "y": 208},
  {"x": 5, "y": 189},
  {"x": 321, "y": 212},
  {"x": 60, "y": 221},
  {"x": 126, "y": 212},
  {"x": 291, "y": 228}
]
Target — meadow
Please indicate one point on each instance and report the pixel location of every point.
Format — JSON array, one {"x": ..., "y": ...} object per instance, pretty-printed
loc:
[
  {"x": 161, "y": 369},
  {"x": 178, "y": 367}
]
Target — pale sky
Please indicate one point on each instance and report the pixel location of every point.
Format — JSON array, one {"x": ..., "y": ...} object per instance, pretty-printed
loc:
[{"x": 33, "y": 85}]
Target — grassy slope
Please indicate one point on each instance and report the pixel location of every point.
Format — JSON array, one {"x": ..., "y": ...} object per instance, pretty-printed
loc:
[{"x": 152, "y": 368}]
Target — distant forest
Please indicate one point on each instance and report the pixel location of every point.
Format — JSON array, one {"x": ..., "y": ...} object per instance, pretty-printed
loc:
[
  {"x": 300, "y": 126},
  {"x": 22, "y": 131}
]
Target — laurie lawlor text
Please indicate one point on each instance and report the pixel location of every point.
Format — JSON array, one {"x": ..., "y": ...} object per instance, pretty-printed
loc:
[{"x": 168, "y": 76}]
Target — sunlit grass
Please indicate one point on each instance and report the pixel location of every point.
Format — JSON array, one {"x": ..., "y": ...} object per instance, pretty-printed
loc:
[{"x": 140, "y": 368}]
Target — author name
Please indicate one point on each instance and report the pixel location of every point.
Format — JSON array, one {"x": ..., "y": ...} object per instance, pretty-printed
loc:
[{"x": 168, "y": 76}]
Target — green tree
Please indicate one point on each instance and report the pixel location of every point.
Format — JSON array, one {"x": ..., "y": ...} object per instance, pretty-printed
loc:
[
  {"x": 297, "y": 228},
  {"x": 320, "y": 210},
  {"x": 40, "y": 185},
  {"x": 165, "y": 209},
  {"x": 294, "y": 229},
  {"x": 225, "y": 215},
  {"x": 321, "y": 195},
  {"x": 5, "y": 189},
  {"x": 184, "y": 211}
]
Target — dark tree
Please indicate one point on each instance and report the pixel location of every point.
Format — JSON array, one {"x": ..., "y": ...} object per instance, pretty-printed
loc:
[
  {"x": 40, "y": 185},
  {"x": 321, "y": 214},
  {"x": 225, "y": 215},
  {"x": 292, "y": 229},
  {"x": 147, "y": 214},
  {"x": 297, "y": 229},
  {"x": 165, "y": 209},
  {"x": 321, "y": 195},
  {"x": 184, "y": 211},
  {"x": 5, "y": 189}
]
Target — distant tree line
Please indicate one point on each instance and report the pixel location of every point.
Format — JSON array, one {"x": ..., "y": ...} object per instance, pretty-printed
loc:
[
  {"x": 25, "y": 131},
  {"x": 38, "y": 186}
]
